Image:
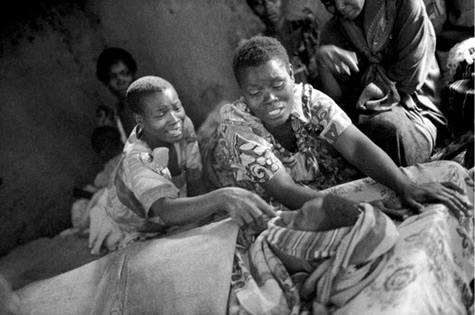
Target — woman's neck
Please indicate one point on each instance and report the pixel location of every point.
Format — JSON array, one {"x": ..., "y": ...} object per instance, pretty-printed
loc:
[
  {"x": 284, "y": 134},
  {"x": 154, "y": 143}
]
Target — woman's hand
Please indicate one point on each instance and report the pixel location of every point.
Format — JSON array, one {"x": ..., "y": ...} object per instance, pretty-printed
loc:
[
  {"x": 337, "y": 60},
  {"x": 393, "y": 211},
  {"x": 446, "y": 193},
  {"x": 245, "y": 207}
]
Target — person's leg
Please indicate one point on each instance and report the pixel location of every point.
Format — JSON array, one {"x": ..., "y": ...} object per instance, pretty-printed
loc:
[{"x": 398, "y": 136}]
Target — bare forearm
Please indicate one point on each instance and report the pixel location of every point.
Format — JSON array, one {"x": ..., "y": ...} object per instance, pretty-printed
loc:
[
  {"x": 359, "y": 150},
  {"x": 182, "y": 211},
  {"x": 287, "y": 192},
  {"x": 329, "y": 84}
]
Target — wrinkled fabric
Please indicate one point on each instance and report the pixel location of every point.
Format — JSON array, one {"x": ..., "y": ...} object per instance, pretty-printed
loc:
[
  {"x": 345, "y": 261},
  {"x": 184, "y": 273},
  {"x": 379, "y": 93},
  {"x": 427, "y": 271},
  {"x": 401, "y": 62}
]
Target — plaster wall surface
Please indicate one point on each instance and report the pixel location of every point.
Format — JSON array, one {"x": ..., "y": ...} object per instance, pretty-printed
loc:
[{"x": 49, "y": 92}]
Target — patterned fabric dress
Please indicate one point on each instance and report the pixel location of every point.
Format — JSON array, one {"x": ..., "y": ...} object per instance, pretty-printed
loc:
[
  {"x": 243, "y": 153},
  {"x": 142, "y": 177}
]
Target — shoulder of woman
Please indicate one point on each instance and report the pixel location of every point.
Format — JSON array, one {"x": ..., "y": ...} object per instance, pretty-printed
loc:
[
  {"x": 237, "y": 113},
  {"x": 189, "y": 130}
]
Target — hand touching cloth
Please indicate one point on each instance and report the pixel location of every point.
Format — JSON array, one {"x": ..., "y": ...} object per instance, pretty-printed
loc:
[
  {"x": 439, "y": 182},
  {"x": 351, "y": 255}
]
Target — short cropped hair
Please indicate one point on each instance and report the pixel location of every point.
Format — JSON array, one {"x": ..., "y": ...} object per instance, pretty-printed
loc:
[
  {"x": 110, "y": 56},
  {"x": 255, "y": 52},
  {"x": 142, "y": 87},
  {"x": 105, "y": 136}
]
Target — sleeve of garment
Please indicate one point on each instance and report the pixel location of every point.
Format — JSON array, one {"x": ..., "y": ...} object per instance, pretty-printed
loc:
[
  {"x": 193, "y": 156},
  {"x": 327, "y": 118},
  {"x": 415, "y": 38},
  {"x": 142, "y": 185},
  {"x": 251, "y": 155}
]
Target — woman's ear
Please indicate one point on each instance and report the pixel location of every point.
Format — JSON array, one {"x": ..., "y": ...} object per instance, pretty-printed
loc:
[
  {"x": 138, "y": 119},
  {"x": 291, "y": 72}
]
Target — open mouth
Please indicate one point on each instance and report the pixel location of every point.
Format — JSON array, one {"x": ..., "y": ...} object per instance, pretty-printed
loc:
[
  {"x": 175, "y": 132},
  {"x": 275, "y": 113},
  {"x": 349, "y": 15}
]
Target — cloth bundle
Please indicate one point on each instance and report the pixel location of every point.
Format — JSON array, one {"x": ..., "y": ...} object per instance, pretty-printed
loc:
[{"x": 294, "y": 269}]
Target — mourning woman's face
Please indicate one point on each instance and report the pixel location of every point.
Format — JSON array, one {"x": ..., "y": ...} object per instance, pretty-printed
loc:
[{"x": 268, "y": 91}]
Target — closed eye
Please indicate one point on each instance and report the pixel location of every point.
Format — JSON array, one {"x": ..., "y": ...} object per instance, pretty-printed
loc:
[
  {"x": 279, "y": 85},
  {"x": 254, "y": 93},
  {"x": 159, "y": 115}
]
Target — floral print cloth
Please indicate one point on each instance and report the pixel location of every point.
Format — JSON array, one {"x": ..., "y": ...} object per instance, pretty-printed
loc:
[{"x": 427, "y": 272}]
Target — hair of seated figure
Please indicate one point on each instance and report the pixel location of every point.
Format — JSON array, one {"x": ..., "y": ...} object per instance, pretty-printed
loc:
[
  {"x": 110, "y": 56},
  {"x": 255, "y": 52},
  {"x": 106, "y": 142},
  {"x": 142, "y": 87}
]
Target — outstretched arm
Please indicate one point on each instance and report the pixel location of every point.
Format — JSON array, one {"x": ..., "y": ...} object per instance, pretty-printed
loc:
[
  {"x": 374, "y": 162},
  {"x": 245, "y": 207},
  {"x": 283, "y": 188}
]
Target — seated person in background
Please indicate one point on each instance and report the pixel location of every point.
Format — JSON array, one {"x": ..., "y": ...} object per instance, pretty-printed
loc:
[
  {"x": 377, "y": 61},
  {"x": 269, "y": 140},
  {"x": 116, "y": 69},
  {"x": 157, "y": 186},
  {"x": 299, "y": 36},
  {"x": 106, "y": 142}
]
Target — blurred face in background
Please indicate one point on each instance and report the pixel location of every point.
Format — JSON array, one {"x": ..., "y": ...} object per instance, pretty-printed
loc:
[
  {"x": 348, "y": 9},
  {"x": 269, "y": 11},
  {"x": 120, "y": 77}
]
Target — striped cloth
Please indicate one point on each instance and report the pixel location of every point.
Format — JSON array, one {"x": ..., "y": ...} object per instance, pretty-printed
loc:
[{"x": 335, "y": 265}]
